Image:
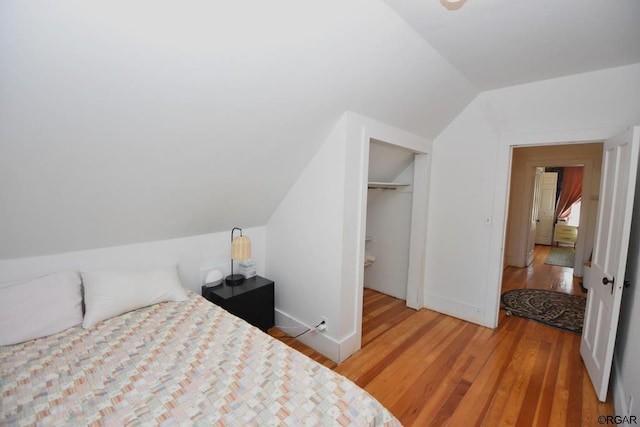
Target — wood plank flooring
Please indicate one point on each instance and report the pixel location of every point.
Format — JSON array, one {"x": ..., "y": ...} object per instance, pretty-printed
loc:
[
  {"x": 429, "y": 369},
  {"x": 542, "y": 276}
]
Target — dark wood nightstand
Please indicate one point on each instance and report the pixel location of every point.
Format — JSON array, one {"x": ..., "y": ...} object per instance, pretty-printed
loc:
[{"x": 253, "y": 300}]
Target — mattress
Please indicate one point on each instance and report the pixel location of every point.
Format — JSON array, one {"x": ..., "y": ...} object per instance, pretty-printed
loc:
[{"x": 175, "y": 363}]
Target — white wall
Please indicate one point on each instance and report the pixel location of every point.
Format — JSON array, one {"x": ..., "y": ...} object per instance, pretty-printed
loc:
[
  {"x": 191, "y": 254},
  {"x": 470, "y": 175},
  {"x": 315, "y": 239},
  {"x": 133, "y": 122},
  {"x": 304, "y": 246}
]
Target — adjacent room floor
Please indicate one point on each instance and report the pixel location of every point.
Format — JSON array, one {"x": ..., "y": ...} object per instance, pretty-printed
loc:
[
  {"x": 539, "y": 275},
  {"x": 432, "y": 369}
]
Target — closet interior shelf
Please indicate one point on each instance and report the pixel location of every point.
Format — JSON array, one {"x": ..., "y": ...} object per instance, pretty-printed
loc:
[{"x": 387, "y": 185}]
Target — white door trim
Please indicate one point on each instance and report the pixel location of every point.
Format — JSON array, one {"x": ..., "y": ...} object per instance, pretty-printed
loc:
[{"x": 501, "y": 199}]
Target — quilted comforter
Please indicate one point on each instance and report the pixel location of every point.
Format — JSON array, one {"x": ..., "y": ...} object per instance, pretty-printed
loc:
[{"x": 176, "y": 363}]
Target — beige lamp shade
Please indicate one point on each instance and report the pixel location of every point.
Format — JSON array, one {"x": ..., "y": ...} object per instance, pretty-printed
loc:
[{"x": 241, "y": 248}]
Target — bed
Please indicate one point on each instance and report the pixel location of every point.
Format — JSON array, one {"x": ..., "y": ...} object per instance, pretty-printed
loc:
[{"x": 183, "y": 362}]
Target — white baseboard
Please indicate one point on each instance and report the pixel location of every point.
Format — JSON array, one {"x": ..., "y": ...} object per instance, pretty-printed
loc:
[
  {"x": 338, "y": 351},
  {"x": 513, "y": 261},
  {"x": 349, "y": 345},
  {"x": 457, "y": 309}
]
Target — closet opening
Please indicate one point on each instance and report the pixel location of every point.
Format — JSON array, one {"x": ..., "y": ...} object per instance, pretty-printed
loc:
[
  {"x": 392, "y": 230},
  {"x": 388, "y": 219}
]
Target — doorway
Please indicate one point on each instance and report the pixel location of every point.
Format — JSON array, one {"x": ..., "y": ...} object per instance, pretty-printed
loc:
[
  {"x": 527, "y": 164},
  {"x": 360, "y": 133},
  {"x": 545, "y": 201},
  {"x": 394, "y": 218},
  {"x": 617, "y": 166},
  {"x": 542, "y": 178},
  {"x": 388, "y": 225}
]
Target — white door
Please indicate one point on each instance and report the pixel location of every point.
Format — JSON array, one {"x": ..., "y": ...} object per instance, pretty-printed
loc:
[
  {"x": 606, "y": 279},
  {"x": 547, "y": 209},
  {"x": 533, "y": 220}
]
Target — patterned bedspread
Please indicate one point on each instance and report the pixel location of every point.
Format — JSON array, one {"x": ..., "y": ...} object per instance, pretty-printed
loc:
[{"x": 184, "y": 363}]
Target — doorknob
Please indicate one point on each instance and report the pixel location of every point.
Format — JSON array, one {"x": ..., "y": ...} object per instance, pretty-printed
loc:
[{"x": 606, "y": 281}]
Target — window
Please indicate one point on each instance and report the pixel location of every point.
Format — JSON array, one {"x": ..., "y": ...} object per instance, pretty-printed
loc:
[{"x": 574, "y": 215}]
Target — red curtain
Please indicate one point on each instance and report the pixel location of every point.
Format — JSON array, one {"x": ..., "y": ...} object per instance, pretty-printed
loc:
[{"x": 571, "y": 191}]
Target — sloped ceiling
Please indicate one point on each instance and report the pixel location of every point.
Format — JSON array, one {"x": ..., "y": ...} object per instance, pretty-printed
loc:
[
  {"x": 498, "y": 43},
  {"x": 131, "y": 121}
]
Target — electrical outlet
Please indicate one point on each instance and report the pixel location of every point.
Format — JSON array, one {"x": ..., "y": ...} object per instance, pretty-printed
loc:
[{"x": 323, "y": 326}]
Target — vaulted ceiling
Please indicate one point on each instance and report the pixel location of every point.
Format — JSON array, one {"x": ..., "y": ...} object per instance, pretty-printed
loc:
[
  {"x": 498, "y": 43},
  {"x": 131, "y": 121}
]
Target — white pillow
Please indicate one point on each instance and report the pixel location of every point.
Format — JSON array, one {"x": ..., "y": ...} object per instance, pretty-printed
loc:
[
  {"x": 111, "y": 293},
  {"x": 40, "y": 307}
]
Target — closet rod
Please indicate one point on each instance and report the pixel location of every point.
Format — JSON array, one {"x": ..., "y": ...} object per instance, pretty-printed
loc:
[{"x": 387, "y": 185}]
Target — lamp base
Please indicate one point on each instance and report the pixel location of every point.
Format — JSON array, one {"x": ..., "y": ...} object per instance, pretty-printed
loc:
[{"x": 234, "y": 279}]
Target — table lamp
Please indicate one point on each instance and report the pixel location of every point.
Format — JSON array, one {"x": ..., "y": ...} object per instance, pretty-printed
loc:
[{"x": 240, "y": 250}]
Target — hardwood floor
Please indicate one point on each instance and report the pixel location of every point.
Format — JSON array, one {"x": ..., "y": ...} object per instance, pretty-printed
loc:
[
  {"x": 429, "y": 369},
  {"x": 380, "y": 313},
  {"x": 542, "y": 276}
]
